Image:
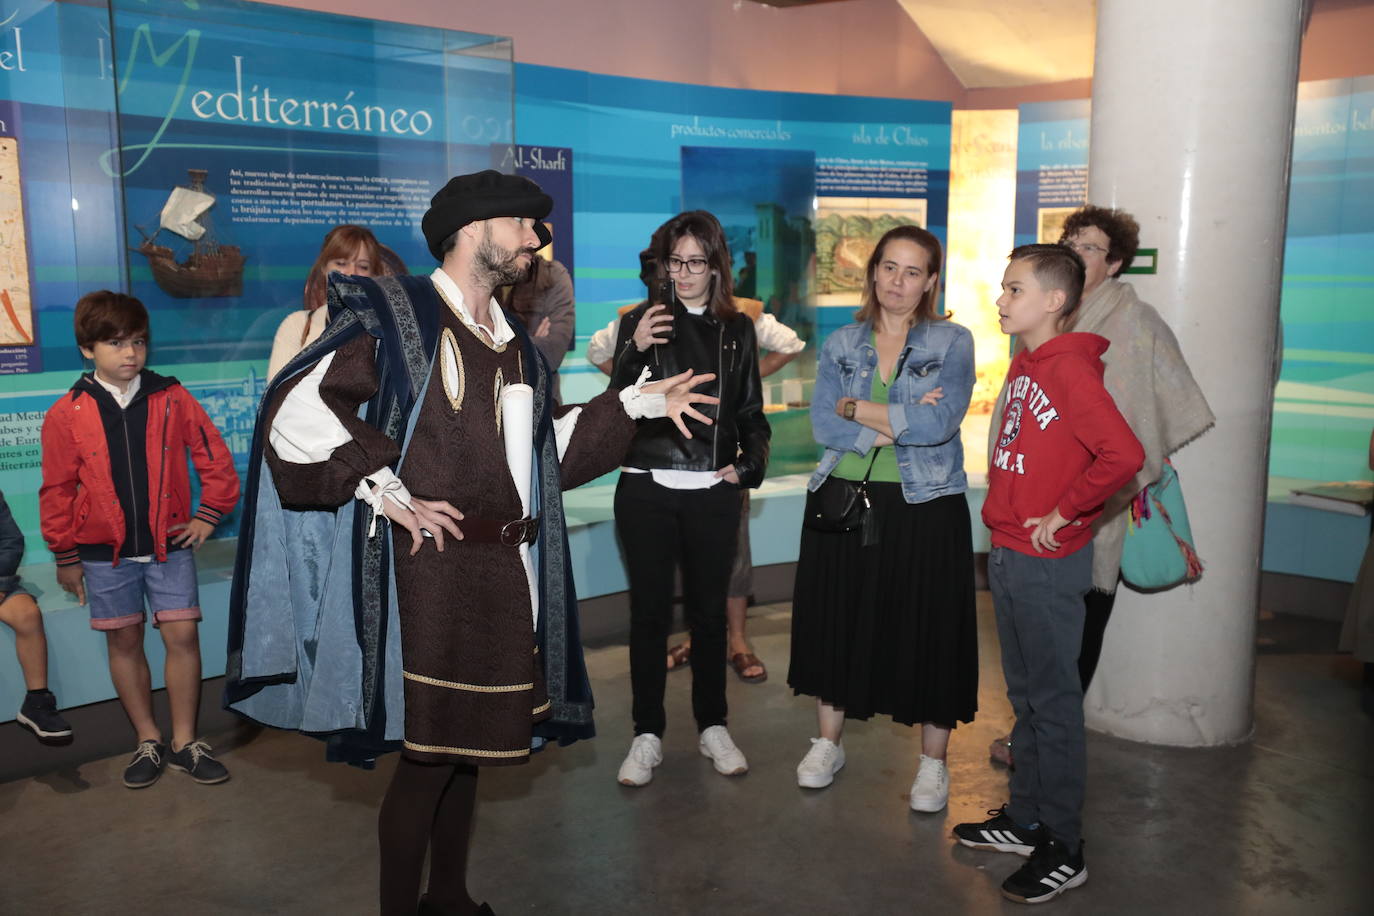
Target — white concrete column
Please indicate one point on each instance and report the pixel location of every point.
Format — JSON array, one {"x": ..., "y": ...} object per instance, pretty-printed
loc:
[{"x": 1192, "y": 121}]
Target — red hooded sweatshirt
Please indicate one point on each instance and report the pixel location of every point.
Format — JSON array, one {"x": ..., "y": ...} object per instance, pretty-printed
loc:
[{"x": 1062, "y": 444}]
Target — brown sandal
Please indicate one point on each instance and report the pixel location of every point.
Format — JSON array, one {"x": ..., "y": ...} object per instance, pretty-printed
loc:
[
  {"x": 679, "y": 656},
  {"x": 743, "y": 661},
  {"x": 1000, "y": 750}
]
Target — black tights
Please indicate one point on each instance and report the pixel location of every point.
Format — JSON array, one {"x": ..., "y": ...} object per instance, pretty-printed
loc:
[
  {"x": 1097, "y": 606},
  {"x": 427, "y": 807}
]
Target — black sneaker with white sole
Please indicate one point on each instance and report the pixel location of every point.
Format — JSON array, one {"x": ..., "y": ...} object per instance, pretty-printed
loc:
[
  {"x": 195, "y": 760},
  {"x": 146, "y": 766},
  {"x": 1001, "y": 834},
  {"x": 39, "y": 715},
  {"x": 1050, "y": 872}
]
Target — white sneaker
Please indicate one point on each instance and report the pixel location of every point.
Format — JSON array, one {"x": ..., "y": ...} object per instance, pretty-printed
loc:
[
  {"x": 818, "y": 768},
  {"x": 646, "y": 752},
  {"x": 729, "y": 760},
  {"x": 930, "y": 790}
]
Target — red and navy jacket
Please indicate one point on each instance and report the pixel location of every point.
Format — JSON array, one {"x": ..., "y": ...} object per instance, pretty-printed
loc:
[
  {"x": 115, "y": 481},
  {"x": 1062, "y": 444}
]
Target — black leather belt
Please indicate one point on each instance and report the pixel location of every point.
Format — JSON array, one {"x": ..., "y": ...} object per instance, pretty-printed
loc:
[{"x": 491, "y": 531}]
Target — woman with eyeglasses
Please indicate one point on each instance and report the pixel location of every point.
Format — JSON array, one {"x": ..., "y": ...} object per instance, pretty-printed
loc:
[
  {"x": 884, "y": 622},
  {"x": 678, "y": 499}
]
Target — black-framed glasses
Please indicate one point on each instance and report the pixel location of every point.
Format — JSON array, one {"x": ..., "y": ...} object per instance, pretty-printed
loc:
[{"x": 692, "y": 265}]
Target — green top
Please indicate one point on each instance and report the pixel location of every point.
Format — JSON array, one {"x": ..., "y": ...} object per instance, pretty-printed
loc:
[{"x": 852, "y": 466}]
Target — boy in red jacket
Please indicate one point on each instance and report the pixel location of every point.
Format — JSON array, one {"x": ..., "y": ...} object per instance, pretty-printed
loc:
[
  {"x": 1063, "y": 449},
  {"x": 116, "y": 511}
]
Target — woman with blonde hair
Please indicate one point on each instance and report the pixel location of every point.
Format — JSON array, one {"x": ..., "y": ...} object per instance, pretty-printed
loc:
[
  {"x": 347, "y": 249},
  {"x": 883, "y": 616}
]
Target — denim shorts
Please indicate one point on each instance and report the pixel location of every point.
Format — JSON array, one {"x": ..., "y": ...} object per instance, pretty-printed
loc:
[{"x": 117, "y": 593}]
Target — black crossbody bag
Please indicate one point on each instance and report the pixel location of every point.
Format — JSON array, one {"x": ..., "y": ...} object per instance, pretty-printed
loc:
[{"x": 838, "y": 506}]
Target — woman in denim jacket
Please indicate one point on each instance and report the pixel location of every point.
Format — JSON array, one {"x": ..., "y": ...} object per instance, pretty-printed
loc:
[{"x": 891, "y": 628}]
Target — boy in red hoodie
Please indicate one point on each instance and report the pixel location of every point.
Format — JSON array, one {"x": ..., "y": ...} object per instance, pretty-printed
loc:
[
  {"x": 115, "y": 509},
  {"x": 1063, "y": 449}
]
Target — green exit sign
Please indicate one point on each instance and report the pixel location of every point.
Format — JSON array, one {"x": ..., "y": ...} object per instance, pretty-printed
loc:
[{"x": 1146, "y": 261}]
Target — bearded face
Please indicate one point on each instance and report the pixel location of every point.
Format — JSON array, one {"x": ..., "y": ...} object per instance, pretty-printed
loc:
[{"x": 500, "y": 265}]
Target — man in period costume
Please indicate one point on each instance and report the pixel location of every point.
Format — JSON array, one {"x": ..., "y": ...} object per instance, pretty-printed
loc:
[{"x": 403, "y": 577}]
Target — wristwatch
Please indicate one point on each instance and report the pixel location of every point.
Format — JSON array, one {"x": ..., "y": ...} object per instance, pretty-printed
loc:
[{"x": 849, "y": 408}]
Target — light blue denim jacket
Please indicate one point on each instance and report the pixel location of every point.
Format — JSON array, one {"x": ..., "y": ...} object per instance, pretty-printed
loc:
[{"x": 930, "y": 457}]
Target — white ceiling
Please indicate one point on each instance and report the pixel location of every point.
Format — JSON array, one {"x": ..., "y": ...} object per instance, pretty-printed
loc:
[{"x": 995, "y": 43}]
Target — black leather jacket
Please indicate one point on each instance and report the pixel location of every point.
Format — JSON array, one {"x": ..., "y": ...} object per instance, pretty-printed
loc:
[{"x": 740, "y": 434}]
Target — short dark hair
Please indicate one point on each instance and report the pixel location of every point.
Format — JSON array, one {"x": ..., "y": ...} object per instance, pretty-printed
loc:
[
  {"x": 106, "y": 315},
  {"x": 1120, "y": 228},
  {"x": 1055, "y": 267},
  {"x": 449, "y": 243}
]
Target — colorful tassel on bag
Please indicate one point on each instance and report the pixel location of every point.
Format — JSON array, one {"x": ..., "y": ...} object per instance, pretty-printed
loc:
[{"x": 1158, "y": 552}]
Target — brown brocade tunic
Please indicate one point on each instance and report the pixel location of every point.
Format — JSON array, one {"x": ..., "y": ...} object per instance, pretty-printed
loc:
[{"x": 474, "y": 684}]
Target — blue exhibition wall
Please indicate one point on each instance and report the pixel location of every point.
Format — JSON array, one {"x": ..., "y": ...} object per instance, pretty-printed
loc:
[
  {"x": 275, "y": 124},
  {"x": 1324, "y": 401},
  {"x": 283, "y": 122},
  {"x": 629, "y": 138},
  {"x": 1051, "y": 167},
  {"x": 804, "y": 184}
]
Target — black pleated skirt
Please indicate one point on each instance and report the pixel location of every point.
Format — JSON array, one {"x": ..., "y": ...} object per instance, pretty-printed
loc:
[{"x": 890, "y": 629}]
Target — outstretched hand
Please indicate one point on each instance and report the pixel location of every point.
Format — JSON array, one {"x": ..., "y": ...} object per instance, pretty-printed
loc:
[
  {"x": 678, "y": 389},
  {"x": 434, "y": 516}
]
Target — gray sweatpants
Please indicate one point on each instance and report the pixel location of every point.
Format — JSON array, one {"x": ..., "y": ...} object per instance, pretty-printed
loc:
[{"x": 1039, "y": 603}]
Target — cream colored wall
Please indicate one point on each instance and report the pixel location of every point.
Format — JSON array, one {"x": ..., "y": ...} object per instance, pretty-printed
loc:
[
  {"x": 858, "y": 47},
  {"x": 982, "y": 210}
]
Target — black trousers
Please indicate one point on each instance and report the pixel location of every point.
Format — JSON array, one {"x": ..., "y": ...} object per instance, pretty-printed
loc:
[
  {"x": 1097, "y": 607},
  {"x": 661, "y": 528}
]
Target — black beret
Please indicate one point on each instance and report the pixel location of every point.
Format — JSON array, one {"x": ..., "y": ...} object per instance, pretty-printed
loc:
[{"x": 483, "y": 195}]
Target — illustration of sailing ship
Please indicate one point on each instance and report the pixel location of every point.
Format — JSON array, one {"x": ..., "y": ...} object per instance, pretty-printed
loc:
[{"x": 211, "y": 269}]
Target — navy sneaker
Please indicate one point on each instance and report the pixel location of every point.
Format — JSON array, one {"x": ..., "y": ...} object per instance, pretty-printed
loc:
[
  {"x": 1050, "y": 872},
  {"x": 1000, "y": 834},
  {"x": 146, "y": 766},
  {"x": 39, "y": 715},
  {"x": 195, "y": 760}
]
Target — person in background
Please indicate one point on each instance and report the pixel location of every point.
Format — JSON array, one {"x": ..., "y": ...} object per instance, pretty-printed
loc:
[
  {"x": 778, "y": 345},
  {"x": 116, "y": 511},
  {"x": 891, "y": 627},
  {"x": 1357, "y": 633},
  {"x": 678, "y": 498},
  {"x": 546, "y": 305},
  {"x": 20, "y": 612},
  {"x": 350, "y": 250},
  {"x": 1149, "y": 381}
]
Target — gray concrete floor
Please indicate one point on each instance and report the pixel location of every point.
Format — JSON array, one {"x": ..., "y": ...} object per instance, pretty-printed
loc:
[{"x": 1279, "y": 825}]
